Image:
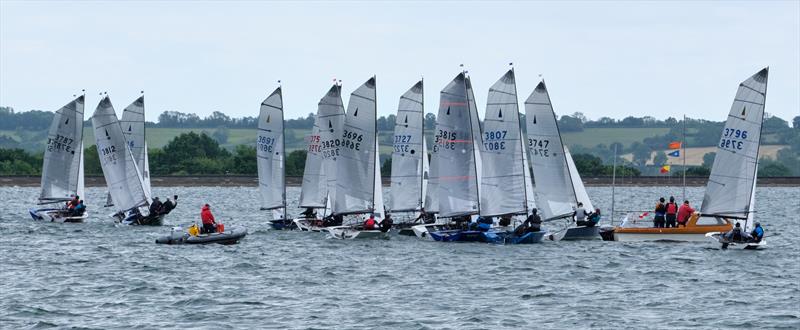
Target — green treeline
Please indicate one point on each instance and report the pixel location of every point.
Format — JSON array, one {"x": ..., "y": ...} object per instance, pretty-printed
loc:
[{"x": 199, "y": 154}]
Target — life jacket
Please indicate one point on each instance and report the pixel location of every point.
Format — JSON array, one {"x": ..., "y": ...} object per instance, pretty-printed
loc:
[
  {"x": 369, "y": 224},
  {"x": 672, "y": 208},
  {"x": 206, "y": 216}
]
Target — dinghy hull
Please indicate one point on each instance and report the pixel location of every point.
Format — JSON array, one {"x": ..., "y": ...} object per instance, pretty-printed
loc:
[
  {"x": 55, "y": 215},
  {"x": 527, "y": 238},
  {"x": 346, "y": 232},
  {"x": 692, "y": 232},
  {"x": 729, "y": 245},
  {"x": 582, "y": 233},
  {"x": 283, "y": 224},
  {"x": 306, "y": 224},
  {"x": 466, "y": 236}
]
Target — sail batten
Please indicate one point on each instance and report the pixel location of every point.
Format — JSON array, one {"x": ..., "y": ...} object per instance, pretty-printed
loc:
[
  {"x": 270, "y": 152},
  {"x": 62, "y": 168},
  {"x": 731, "y": 185}
]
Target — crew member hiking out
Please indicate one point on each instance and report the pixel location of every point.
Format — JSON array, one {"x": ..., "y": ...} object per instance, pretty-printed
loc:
[
  {"x": 169, "y": 205},
  {"x": 209, "y": 224},
  {"x": 594, "y": 219},
  {"x": 672, "y": 211},
  {"x": 155, "y": 207},
  {"x": 757, "y": 233}
]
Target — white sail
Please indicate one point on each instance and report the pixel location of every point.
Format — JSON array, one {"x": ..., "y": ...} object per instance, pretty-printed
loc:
[
  {"x": 119, "y": 168},
  {"x": 503, "y": 172},
  {"x": 555, "y": 194},
  {"x": 132, "y": 123},
  {"x": 529, "y": 192},
  {"x": 269, "y": 153},
  {"x": 432, "y": 186},
  {"x": 577, "y": 183},
  {"x": 356, "y": 163},
  {"x": 426, "y": 170},
  {"x": 379, "y": 208},
  {"x": 730, "y": 187},
  {"x": 62, "y": 171},
  {"x": 330, "y": 113},
  {"x": 409, "y": 154},
  {"x": 314, "y": 191},
  {"x": 457, "y": 172},
  {"x": 477, "y": 136}
]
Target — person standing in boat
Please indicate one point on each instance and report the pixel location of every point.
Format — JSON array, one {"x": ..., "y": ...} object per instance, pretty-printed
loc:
[
  {"x": 672, "y": 211},
  {"x": 209, "y": 223},
  {"x": 661, "y": 213},
  {"x": 684, "y": 212},
  {"x": 579, "y": 216},
  {"x": 757, "y": 233}
]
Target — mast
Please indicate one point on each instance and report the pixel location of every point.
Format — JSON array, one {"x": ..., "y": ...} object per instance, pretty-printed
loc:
[
  {"x": 283, "y": 152},
  {"x": 683, "y": 144},
  {"x": 424, "y": 154},
  {"x": 376, "y": 153},
  {"x": 613, "y": 183},
  {"x": 467, "y": 87},
  {"x": 521, "y": 141}
]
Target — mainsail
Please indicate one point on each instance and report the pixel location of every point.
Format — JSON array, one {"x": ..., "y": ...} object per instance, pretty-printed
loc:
[
  {"x": 330, "y": 115},
  {"x": 731, "y": 185},
  {"x": 555, "y": 194},
  {"x": 62, "y": 171},
  {"x": 457, "y": 172},
  {"x": 503, "y": 186},
  {"x": 408, "y": 156},
  {"x": 356, "y": 163},
  {"x": 132, "y": 124},
  {"x": 270, "y": 153},
  {"x": 432, "y": 186},
  {"x": 119, "y": 168}
]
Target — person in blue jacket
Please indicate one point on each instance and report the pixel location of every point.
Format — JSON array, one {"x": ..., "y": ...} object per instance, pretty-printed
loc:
[{"x": 757, "y": 233}]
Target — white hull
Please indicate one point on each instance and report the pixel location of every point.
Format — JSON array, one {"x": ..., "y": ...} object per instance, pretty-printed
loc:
[
  {"x": 305, "y": 224},
  {"x": 421, "y": 231},
  {"x": 56, "y": 216},
  {"x": 645, "y": 237},
  {"x": 347, "y": 232},
  {"x": 715, "y": 237}
]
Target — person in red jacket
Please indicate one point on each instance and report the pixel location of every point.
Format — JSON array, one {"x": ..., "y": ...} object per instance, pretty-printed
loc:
[
  {"x": 684, "y": 212},
  {"x": 370, "y": 223},
  {"x": 209, "y": 225}
]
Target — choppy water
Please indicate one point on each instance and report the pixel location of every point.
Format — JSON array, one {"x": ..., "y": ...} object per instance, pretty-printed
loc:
[{"x": 95, "y": 275}]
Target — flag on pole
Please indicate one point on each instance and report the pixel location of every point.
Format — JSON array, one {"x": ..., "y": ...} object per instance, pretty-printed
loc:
[
  {"x": 664, "y": 169},
  {"x": 676, "y": 153},
  {"x": 675, "y": 145}
]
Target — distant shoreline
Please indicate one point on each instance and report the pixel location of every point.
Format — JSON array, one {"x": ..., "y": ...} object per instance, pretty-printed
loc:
[{"x": 296, "y": 181}]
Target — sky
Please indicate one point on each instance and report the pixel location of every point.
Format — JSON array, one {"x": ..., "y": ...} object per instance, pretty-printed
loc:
[{"x": 614, "y": 59}]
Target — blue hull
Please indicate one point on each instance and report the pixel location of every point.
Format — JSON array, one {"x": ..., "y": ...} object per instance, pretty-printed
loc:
[
  {"x": 283, "y": 224},
  {"x": 466, "y": 236}
]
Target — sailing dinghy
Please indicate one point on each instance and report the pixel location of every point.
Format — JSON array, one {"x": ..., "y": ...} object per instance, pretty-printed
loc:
[
  {"x": 62, "y": 171},
  {"x": 359, "y": 191},
  {"x": 124, "y": 180},
  {"x": 270, "y": 160},
  {"x": 506, "y": 190},
  {"x": 320, "y": 167},
  {"x": 730, "y": 192},
  {"x": 559, "y": 187},
  {"x": 132, "y": 123},
  {"x": 458, "y": 184},
  {"x": 409, "y": 159}
]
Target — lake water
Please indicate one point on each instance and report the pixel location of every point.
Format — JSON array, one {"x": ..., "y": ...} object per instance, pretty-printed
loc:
[{"x": 96, "y": 275}]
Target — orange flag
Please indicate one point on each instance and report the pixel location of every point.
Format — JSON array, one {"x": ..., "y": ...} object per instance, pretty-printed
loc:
[{"x": 675, "y": 145}]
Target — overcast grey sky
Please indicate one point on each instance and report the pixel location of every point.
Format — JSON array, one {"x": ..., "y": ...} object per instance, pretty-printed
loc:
[{"x": 614, "y": 59}]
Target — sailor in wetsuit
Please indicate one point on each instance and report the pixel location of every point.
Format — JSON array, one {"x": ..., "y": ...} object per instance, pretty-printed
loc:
[
  {"x": 737, "y": 234},
  {"x": 757, "y": 233}
]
